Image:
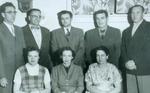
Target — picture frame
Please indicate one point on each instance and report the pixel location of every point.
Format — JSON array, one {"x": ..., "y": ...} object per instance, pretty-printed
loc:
[
  {"x": 25, "y": 5},
  {"x": 88, "y": 7},
  {"x": 122, "y": 6}
]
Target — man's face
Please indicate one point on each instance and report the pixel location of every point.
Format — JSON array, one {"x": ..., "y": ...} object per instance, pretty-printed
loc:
[
  {"x": 9, "y": 15},
  {"x": 35, "y": 17},
  {"x": 137, "y": 14},
  {"x": 65, "y": 20},
  {"x": 101, "y": 20}
]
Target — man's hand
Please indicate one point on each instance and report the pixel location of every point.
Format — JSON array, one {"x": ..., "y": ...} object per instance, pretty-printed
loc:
[
  {"x": 130, "y": 65},
  {"x": 3, "y": 82}
]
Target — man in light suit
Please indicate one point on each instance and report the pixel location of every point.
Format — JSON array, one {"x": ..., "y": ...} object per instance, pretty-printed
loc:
[
  {"x": 38, "y": 37},
  {"x": 105, "y": 35},
  {"x": 68, "y": 36},
  {"x": 11, "y": 47},
  {"x": 135, "y": 52}
]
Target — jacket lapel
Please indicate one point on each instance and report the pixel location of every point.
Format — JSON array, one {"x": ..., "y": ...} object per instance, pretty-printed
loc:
[
  {"x": 64, "y": 35},
  {"x": 63, "y": 70},
  {"x": 137, "y": 40},
  {"x": 7, "y": 30},
  {"x": 31, "y": 37},
  {"x": 42, "y": 37},
  {"x": 96, "y": 34},
  {"x": 139, "y": 32},
  {"x": 72, "y": 33},
  {"x": 142, "y": 33},
  {"x": 71, "y": 69},
  {"x": 70, "y": 72}
]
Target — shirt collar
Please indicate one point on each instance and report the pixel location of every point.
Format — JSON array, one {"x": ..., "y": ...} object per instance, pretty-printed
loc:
[
  {"x": 33, "y": 26},
  {"x": 105, "y": 29},
  {"x": 30, "y": 66},
  {"x": 69, "y": 28},
  {"x": 8, "y": 25},
  {"x": 138, "y": 22}
]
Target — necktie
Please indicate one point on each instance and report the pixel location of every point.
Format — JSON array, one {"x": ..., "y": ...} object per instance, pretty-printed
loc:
[
  {"x": 102, "y": 36},
  {"x": 12, "y": 30},
  {"x": 102, "y": 33},
  {"x": 68, "y": 32}
]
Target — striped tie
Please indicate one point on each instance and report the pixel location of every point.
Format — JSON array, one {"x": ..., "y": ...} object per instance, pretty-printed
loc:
[{"x": 12, "y": 31}]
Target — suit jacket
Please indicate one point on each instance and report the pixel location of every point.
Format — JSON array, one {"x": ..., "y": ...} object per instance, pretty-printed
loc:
[
  {"x": 111, "y": 40},
  {"x": 45, "y": 59},
  {"x": 67, "y": 82},
  {"x": 137, "y": 48},
  {"x": 11, "y": 54},
  {"x": 74, "y": 41}
]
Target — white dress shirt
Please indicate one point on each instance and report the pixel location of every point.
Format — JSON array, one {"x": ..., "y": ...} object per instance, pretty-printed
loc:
[
  {"x": 135, "y": 27},
  {"x": 37, "y": 35},
  {"x": 11, "y": 28},
  {"x": 65, "y": 29},
  {"x": 32, "y": 70}
]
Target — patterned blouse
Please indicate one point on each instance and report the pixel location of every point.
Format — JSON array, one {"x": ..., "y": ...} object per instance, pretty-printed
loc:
[{"x": 104, "y": 76}]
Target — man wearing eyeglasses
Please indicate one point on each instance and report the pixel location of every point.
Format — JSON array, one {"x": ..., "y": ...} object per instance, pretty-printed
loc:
[
  {"x": 11, "y": 47},
  {"x": 38, "y": 36}
]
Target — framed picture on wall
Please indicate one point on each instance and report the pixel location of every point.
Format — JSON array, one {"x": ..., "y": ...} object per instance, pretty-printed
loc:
[
  {"x": 87, "y": 7},
  {"x": 122, "y": 6},
  {"x": 25, "y": 5}
]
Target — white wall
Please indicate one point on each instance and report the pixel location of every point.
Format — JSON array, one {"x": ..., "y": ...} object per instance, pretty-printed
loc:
[{"x": 50, "y": 8}]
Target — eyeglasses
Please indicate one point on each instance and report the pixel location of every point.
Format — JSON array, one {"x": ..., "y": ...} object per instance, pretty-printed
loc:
[
  {"x": 11, "y": 12},
  {"x": 35, "y": 16}
]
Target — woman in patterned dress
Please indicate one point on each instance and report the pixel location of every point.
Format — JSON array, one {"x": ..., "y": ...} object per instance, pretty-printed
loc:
[
  {"x": 32, "y": 77},
  {"x": 103, "y": 77}
]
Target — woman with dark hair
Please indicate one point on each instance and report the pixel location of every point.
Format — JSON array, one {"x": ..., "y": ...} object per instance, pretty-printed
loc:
[
  {"x": 32, "y": 77},
  {"x": 103, "y": 77},
  {"x": 67, "y": 77}
]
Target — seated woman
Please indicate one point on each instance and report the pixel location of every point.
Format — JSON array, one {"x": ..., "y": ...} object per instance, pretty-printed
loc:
[
  {"x": 32, "y": 77},
  {"x": 67, "y": 77},
  {"x": 103, "y": 77}
]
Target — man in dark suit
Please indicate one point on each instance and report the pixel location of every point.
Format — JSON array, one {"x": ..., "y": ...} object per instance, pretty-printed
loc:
[
  {"x": 104, "y": 35},
  {"x": 38, "y": 37},
  {"x": 68, "y": 36},
  {"x": 11, "y": 47},
  {"x": 135, "y": 52}
]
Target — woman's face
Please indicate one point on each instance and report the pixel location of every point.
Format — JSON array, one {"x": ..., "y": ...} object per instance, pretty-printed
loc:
[
  {"x": 67, "y": 58},
  {"x": 33, "y": 57},
  {"x": 101, "y": 57}
]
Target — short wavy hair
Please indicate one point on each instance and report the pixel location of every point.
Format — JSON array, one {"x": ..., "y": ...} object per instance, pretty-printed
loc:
[
  {"x": 99, "y": 12},
  {"x": 27, "y": 50},
  {"x": 67, "y": 49},
  {"x": 59, "y": 14},
  {"x": 7, "y": 4},
  {"x": 103, "y": 48}
]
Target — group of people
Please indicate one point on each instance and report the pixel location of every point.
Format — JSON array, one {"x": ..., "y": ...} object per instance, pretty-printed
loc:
[{"x": 36, "y": 60}]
